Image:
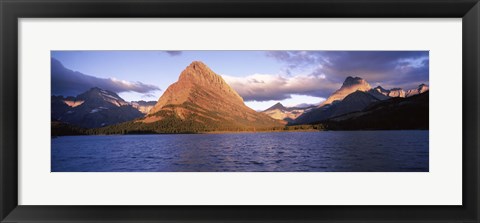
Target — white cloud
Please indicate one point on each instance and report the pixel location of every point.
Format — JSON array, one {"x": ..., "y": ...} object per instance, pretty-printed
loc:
[
  {"x": 71, "y": 83},
  {"x": 294, "y": 101},
  {"x": 265, "y": 87}
]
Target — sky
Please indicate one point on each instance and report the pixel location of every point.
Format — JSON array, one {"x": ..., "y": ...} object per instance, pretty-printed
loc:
[{"x": 262, "y": 78}]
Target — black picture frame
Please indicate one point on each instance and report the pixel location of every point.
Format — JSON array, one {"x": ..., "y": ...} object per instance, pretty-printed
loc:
[{"x": 12, "y": 10}]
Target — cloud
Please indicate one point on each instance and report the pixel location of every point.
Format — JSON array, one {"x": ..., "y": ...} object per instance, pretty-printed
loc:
[
  {"x": 149, "y": 95},
  {"x": 265, "y": 87},
  {"x": 296, "y": 59},
  {"x": 173, "y": 53},
  {"x": 319, "y": 73},
  {"x": 71, "y": 83},
  {"x": 390, "y": 68}
]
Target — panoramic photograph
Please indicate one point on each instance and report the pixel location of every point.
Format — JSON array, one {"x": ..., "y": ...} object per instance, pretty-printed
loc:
[{"x": 239, "y": 111}]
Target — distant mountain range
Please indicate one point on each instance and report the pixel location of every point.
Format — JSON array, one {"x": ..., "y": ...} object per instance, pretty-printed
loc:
[
  {"x": 280, "y": 112},
  {"x": 392, "y": 114},
  {"x": 92, "y": 109},
  {"x": 201, "y": 101},
  {"x": 143, "y": 106},
  {"x": 354, "y": 95}
]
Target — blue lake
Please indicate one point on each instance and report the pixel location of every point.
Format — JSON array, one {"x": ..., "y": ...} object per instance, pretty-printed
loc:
[{"x": 337, "y": 151}]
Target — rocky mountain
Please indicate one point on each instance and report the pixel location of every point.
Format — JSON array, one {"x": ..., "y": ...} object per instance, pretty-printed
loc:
[
  {"x": 355, "y": 101},
  {"x": 202, "y": 101},
  {"x": 354, "y": 95},
  {"x": 350, "y": 85},
  {"x": 395, "y": 113},
  {"x": 379, "y": 92},
  {"x": 58, "y": 106},
  {"x": 392, "y": 93},
  {"x": 398, "y": 92},
  {"x": 421, "y": 89},
  {"x": 143, "y": 106},
  {"x": 280, "y": 112},
  {"x": 93, "y": 108}
]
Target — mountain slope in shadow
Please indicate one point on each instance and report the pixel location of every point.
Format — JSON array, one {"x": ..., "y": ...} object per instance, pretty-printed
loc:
[{"x": 392, "y": 114}]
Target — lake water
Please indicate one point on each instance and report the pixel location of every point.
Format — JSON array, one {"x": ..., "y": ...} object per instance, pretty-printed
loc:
[{"x": 344, "y": 151}]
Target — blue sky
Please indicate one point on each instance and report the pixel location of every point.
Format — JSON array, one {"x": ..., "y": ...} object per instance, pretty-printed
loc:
[{"x": 262, "y": 78}]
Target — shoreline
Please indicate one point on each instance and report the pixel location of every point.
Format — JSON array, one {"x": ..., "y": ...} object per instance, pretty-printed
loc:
[
  {"x": 233, "y": 132},
  {"x": 246, "y": 132}
]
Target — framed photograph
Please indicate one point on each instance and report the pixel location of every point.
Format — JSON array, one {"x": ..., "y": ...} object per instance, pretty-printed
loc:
[{"x": 228, "y": 111}]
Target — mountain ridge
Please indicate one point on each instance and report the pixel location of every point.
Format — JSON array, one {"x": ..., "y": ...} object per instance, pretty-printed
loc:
[
  {"x": 143, "y": 106},
  {"x": 392, "y": 114},
  {"x": 280, "y": 112},
  {"x": 350, "y": 85},
  {"x": 93, "y": 108},
  {"x": 202, "y": 97},
  {"x": 197, "y": 73},
  {"x": 201, "y": 101},
  {"x": 337, "y": 105}
]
